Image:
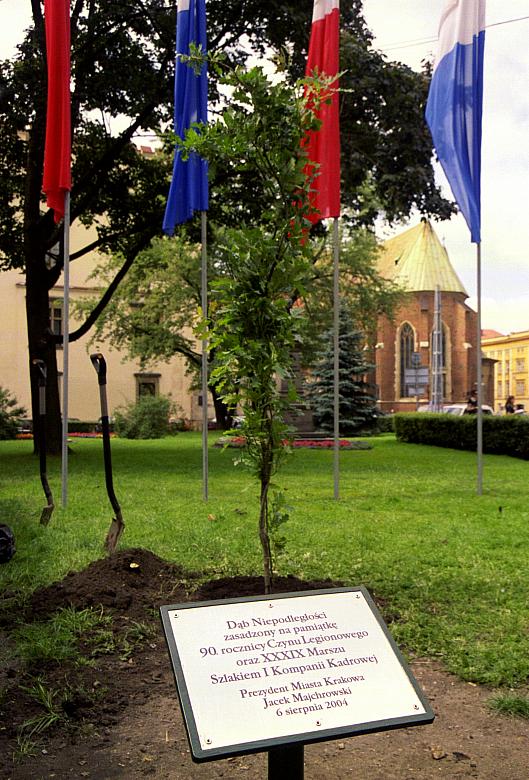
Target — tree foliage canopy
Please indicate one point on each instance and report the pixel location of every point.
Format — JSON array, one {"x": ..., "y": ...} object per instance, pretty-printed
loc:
[
  {"x": 122, "y": 72},
  {"x": 267, "y": 263},
  {"x": 122, "y": 64}
]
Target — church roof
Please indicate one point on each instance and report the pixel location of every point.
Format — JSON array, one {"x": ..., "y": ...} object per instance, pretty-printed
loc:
[{"x": 416, "y": 260}]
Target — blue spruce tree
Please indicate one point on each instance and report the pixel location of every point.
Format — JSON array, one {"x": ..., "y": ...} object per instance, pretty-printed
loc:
[{"x": 357, "y": 400}]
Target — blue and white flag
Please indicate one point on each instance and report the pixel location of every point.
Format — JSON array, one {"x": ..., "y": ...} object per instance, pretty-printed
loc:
[
  {"x": 455, "y": 103},
  {"x": 189, "y": 186}
]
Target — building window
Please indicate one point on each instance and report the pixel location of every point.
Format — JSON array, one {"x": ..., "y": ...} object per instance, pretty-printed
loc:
[
  {"x": 520, "y": 387},
  {"x": 406, "y": 349},
  {"x": 147, "y": 384},
  {"x": 499, "y": 392},
  {"x": 520, "y": 364},
  {"x": 55, "y": 316}
]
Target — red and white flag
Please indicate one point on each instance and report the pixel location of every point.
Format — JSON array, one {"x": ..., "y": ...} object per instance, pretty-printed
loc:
[
  {"x": 57, "y": 152},
  {"x": 323, "y": 145}
]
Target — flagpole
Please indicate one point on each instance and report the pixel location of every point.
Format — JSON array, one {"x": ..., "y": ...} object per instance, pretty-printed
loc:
[
  {"x": 454, "y": 114},
  {"x": 56, "y": 180},
  {"x": 336, "y": 308},
  {"x": 204, "y": 297},
  {"x": 65, "y": 346},
  {"x": 479, "y": 375}
]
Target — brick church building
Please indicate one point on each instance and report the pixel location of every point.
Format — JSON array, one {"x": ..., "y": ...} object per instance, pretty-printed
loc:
[{"x": 419, "y": 263}]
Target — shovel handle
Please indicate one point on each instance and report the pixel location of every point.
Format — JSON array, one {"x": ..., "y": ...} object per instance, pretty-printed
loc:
[
  {"x": 100, "y": 365},
  {"x": 40, "y": 365},
  {"x": 42, "y": 375},
  {"x": 42, "y": 370}
]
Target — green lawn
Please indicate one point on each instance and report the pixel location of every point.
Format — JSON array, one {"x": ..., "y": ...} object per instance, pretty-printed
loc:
[{"x": 450, "y": 566}]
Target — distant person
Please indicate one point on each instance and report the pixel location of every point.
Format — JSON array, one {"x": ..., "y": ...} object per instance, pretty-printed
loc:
[
  {"x": 509, "y": 405},
  {"x": 471, "y": 407},
  {"x": 472, "y": 403}
]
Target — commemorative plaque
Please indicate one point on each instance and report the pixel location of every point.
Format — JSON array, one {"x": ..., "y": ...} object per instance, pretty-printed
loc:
[{"x": 257, "y": 673}]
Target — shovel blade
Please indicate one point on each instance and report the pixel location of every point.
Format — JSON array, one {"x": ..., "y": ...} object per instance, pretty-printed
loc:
[
  {"x": 45, "y": 516},
  {"x": 117, "y": 527}
]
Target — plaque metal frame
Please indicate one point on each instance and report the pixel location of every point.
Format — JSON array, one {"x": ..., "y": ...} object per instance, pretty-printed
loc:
[{"x": 201, "y": 754}]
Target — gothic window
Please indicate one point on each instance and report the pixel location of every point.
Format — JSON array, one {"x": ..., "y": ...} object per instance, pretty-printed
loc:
[{"x": 406, "y": 348}]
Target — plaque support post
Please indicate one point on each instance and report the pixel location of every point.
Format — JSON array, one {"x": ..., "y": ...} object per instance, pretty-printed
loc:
[{"x": 286, "y": 763}]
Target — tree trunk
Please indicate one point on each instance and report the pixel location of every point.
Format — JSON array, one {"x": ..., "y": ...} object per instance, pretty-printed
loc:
[
  {"x": 264, "y": 536},
  {"x": 266, "y": 468},
  {"x": 223, "y": 415},
  {"x": 41, "y": 347},
  {"x": 39, "y": 234}
]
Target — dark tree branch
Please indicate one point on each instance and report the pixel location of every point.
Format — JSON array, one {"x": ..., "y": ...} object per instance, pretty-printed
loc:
[{"x": 140, "y": 244}]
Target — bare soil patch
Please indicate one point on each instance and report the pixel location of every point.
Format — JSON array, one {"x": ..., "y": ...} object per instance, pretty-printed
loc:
[{"x": 123, "y": 719}]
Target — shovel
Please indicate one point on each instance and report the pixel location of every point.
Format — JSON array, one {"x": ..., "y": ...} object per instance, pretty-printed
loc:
[
  {"x": 45, "y": 516},
  {"x": 117, "y": 525}
]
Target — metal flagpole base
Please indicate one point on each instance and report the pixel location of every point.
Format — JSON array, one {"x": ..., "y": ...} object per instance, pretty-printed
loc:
[{"x": 286, "y": 763}]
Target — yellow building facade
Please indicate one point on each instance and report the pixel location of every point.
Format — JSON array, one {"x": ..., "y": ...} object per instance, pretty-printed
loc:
[
  {"x": 126, "y": 379},
  {"x": 511, "y": 369}
]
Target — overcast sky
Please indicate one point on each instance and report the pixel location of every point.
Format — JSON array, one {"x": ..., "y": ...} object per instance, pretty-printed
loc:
[{"x": 406, "y": 30}]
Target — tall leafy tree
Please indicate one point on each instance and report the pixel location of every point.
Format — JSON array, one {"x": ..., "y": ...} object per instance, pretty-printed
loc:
[
  {"x": 152, "y": 313},
  {"x": 156, "y": 307},
  {"x": 364, "y": 293},
  {"x": 122, "y": 66}
]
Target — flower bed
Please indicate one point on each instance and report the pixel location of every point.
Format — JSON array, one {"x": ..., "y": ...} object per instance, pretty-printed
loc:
[
  {"x": 87, "y": 435},
  {"x": 71, "y": 435},
  {"x": 324, "y": 444},
  {"x": 306, "y": 444}
]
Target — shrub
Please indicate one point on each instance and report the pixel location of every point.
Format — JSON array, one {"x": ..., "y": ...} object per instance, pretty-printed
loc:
[
  {"x": 10, "y": 415},
  {"x": 177, "y": 424},
  {"x": 385, "y": 423},
  {"x": 82, "y": 426},
  {"x": 507, "y": 435},
  {"x": 146, "y": 419}
]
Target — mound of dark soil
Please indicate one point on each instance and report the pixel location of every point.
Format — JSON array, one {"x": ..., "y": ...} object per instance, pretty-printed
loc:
[{"x": 121, "y": 717}]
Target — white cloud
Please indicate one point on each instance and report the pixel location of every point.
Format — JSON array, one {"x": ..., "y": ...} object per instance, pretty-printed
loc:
[
  {"x": 15, "y": 16},
  {"x": 507, "y": 316}
]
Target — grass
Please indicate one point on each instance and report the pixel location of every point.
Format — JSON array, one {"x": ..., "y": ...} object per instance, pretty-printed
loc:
[
  {"x": 510, "y": 704},
  {"x": 56, "y": 638},
  {"x": 450, "y": 565},
  {"x": 48, "y": 701}
]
